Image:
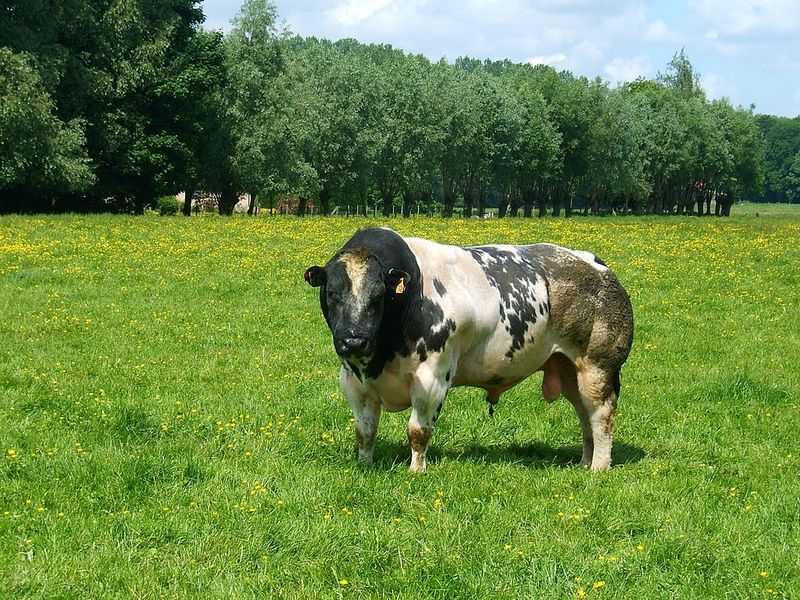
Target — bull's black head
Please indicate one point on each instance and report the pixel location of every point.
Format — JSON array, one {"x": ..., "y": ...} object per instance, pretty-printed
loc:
[{"x": 355, "y": 288}]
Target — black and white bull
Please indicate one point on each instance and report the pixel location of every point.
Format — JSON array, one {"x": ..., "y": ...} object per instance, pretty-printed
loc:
[{"x": 412, "y": 318}]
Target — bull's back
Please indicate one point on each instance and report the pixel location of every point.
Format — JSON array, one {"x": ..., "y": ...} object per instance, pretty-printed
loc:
[{"x": 514, "y": 306}]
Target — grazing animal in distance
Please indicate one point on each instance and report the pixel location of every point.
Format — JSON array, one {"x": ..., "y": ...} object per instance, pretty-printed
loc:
[{"x": 411, "y": 318}]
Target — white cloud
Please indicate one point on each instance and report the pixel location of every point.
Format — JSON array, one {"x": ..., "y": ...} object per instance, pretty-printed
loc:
[
  {"x": 717, "y": 86},
  {"x": 659, "y": 32},
  {"x": 354, "y": 12},
  {"x": 749, "y": 18},
  {"x": 588, "y": 52},
  {"x": 621, "y": 70},
  {"x": 548, "y": 59}
]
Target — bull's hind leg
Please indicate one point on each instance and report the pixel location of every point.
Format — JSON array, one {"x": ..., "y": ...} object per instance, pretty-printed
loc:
[
  {"x": 560, "y": 376},
  {"x": 598, "y": 390}
]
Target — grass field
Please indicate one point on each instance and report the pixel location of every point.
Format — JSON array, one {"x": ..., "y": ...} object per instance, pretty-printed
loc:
[{"x": 172, "y": 427}]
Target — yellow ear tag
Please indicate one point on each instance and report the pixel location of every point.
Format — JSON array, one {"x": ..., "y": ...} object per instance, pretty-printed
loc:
[{"x": 401, "y": 287}]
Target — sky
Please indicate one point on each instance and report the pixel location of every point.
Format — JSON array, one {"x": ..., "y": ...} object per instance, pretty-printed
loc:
[{"x": 746, "y": 51}]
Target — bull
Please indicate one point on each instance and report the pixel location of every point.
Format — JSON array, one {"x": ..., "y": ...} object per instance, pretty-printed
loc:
[{"x": 412, "y": 318}]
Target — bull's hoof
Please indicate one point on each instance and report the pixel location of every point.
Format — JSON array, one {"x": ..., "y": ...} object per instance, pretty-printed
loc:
[
  {"x": 418, "y": 468},
  {"x": 601, "y": 465}
]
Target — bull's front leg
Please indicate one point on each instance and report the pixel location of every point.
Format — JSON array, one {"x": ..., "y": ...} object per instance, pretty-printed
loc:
[
  {"x": 367, "y": 414},
  {"x": 427, "y": 399}
]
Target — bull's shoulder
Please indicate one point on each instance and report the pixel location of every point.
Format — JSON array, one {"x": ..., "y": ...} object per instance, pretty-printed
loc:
[{"x": 447, "y": 271}]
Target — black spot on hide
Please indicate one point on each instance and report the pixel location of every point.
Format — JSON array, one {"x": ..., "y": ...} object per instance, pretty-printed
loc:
[
  {"x": 513, "y": 275},
  {"x": 440, "y": 289},
  {"x": 355, "y": 371},
  {"x": 423, "y": 353}
]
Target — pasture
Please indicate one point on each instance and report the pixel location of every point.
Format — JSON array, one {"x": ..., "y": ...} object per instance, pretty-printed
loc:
[{"x": 172, "y": 427}]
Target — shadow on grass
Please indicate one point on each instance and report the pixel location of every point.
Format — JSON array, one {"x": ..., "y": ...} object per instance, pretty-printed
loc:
[{"x": 533, "y": 455}]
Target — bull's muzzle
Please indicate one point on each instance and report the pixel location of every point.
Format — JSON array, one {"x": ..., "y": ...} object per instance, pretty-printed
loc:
[{"x": 353, "y": 346}]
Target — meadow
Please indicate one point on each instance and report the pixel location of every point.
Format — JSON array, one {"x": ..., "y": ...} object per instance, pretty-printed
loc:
[{"x": 171, "y": 424}]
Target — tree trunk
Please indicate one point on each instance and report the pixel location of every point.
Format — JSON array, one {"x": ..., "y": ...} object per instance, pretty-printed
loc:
[
  {"x": 138, "y": 205},
  {"x": 449, "y": 202},
  {"x": 302, "y": 206},
  {"x": 528, "y": 197},
  {"x": 469, "y": 198},
  {"x": 252, "y": 207},
  {"x": 325, "y": 200},
  {"x": 541, "y": 201},
  {"x": 557, "y": 195},
  {"x": 387, "y": 203},
  {"x": 727, "y": 203},
  {"x": 502, "y": 208},
  {"x": 481, "y": 202},
  {"x": 408, "y": 202},
  {"x": 187, "y": 199},
  {"x": 227, "y": 201},
  {"x": 567, "y": 204},
  {"x": 515, "y": 203}
]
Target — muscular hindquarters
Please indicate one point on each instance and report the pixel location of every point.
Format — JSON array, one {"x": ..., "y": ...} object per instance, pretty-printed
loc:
[{"x": 592, "y": 319}]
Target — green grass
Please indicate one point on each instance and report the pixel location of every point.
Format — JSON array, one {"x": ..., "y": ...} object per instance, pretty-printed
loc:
[
  {"x": 766, "y": 210},
  {"x": 171, "y": 424}
]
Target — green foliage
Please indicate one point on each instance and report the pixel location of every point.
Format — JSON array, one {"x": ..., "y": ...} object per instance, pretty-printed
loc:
[
  {"x": 168, "y": 206},
  {"x": 681, "y": 77},
  {"x": 782, "y": 145},
  {"x": 172, "y": 425},
  {"x": 125, "y": 102},
  {"x": 41, "y": 156},
  {"x": 118, "y": 72}
]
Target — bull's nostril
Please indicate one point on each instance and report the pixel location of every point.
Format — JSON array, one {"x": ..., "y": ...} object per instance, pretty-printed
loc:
[{"x": 355, "y": 343}]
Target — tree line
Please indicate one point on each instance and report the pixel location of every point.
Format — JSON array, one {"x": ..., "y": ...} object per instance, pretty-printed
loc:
[{"x": 108, "y": 106}]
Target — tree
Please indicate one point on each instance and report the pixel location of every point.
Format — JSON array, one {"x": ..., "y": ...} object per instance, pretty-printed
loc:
[
  {"x": 781, "y": 144},
  {"x": 253, "y": 107},
  {"x": 110, "y": 65},
  {"x": 681, "y": 76},
  {"x": 191, "y": 95},
  {"x": 41, "y": 157},
  {"x": 663, "y": 134},
  {"x": 617, "y": 158}
]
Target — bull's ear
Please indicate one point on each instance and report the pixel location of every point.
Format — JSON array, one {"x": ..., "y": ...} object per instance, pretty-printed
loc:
[
  {"x": 315, "y": 276},
  {"x": 397, "y": 281}
]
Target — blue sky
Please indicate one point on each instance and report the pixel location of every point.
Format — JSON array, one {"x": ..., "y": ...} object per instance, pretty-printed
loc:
[{"x": 747, "y": 51}]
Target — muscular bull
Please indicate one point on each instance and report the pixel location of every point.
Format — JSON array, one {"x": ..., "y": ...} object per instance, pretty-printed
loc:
[{"x": 412, "y": 318}]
